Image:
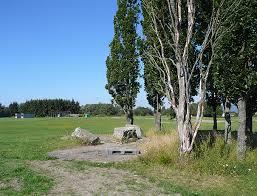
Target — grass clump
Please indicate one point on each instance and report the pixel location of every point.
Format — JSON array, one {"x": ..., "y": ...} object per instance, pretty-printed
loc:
[
  {"x": 218, "y": 159},
  {"x": 162, "y": 148},
  {"x": 208, "y": 169},
  {"x": 17, "y": 178}
]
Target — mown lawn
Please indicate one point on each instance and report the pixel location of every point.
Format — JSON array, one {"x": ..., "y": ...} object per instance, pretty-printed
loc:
[
  {"x": 22, "y": 140},
  {"x": 30, "y": 139}
]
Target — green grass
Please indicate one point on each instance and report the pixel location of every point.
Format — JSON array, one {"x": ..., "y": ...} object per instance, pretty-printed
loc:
[
  {"x": 31, "y": 139},
  {"x": 30, "y": 181},
  {"x": 23, "y": 140}
]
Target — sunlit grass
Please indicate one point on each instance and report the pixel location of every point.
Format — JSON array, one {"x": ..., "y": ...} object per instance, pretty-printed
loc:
[{"x": 22, "y": 140}]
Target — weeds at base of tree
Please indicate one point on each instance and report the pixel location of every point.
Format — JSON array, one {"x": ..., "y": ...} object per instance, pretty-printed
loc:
[{"x": 218, "y": 159}]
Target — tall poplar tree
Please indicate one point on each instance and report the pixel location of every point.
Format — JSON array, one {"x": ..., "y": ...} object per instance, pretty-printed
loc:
[
  {"x": 154, "y": 87},
  {"x": 175, "y": 48},
  {"x": 122, "y": 62},
  {"x": 236, "y": 66}
]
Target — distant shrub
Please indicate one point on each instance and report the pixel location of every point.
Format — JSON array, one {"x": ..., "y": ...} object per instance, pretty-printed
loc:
[
  {"x": 207, "y": 110},
  {"x": 102, "y": 109},
  {"x": 142, "y": 111},
  {"x": 168, "y": 112}
]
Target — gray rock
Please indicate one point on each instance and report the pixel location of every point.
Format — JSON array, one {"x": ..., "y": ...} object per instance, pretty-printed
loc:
[
  {"x": 127, "y": 133},
  {"x": 85, "y": 137},
  {"x": 138, "y": 130}
]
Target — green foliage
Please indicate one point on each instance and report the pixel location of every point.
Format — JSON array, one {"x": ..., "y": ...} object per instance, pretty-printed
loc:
[
  {"x": 207, "y": 110},
  {"x": 122, "y": 63},
  {"x": 154, "y": 84},
  {"x": 235, "y": 70},
  {"x": 13, "y": 108},
  {"x": 168, "y": 112},
  {"x": 142, "y": 111},
  {"x": 4, "y": 111},
  {"x": 102, "y": 109},
  {"x": 209, "y": 113}
]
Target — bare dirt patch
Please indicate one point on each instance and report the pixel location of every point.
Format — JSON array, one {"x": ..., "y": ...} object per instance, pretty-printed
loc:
[
  {"x": 14, "y": 184},
  {"x": 103, "y": 153},
  {"x": 2, "y": 185},
  {"x": 94, "y": 180}
]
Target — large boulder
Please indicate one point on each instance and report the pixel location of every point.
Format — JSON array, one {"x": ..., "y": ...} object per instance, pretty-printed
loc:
[
  {"x": 128, "y": 132},
  {"x": 85, "y": 137}
]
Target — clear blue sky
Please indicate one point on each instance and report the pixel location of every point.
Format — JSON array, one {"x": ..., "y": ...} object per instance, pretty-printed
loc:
[{"x": 55, "y": 49}]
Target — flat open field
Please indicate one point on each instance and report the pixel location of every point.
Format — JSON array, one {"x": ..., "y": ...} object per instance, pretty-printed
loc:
[{"x": 24, "y": 144}]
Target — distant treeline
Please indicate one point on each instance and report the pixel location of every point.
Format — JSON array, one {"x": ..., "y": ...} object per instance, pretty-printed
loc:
[
  {"x": 41, "y": 107},
  {"x": 102, "y": 109},
  {"x": 52, "y": 107}
]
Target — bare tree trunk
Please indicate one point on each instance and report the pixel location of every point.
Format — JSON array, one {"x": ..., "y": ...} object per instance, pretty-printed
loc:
[
  {"x": 249, "y": 119},
  {"x": 215, "y": 125},
  {"x": 227, "y": 107},
  {"x": 130, "y": 117},
  {"x": 184, "y": 118},
  {"x": 185, "y": 136},
  {"x": 158, "y": 119},
  {"x": 241, "y": 135},
  {"x": 249, "y": 124},
  {"x": 157, "y": 114}
]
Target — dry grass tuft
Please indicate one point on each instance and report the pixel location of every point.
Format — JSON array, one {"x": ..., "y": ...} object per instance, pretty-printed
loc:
[
  {"x": 160, "y": 140},
  {"x": 161, "y": 147}
]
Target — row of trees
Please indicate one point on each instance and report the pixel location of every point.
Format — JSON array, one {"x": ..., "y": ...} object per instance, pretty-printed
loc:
[
  {"x": 50, "y": 108},
  {"x": 236, "y": 82},
  {"x": 41, "y": 108},
  {"x": 102, "y": 109},
  {"x": 188, "y": 48}
]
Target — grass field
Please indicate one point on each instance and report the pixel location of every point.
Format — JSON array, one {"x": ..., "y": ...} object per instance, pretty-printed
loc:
[{"x": 23, "y": 140}]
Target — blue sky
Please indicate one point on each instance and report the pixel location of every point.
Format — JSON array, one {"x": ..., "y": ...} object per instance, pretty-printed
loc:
[{"x": 55, "y": 49}]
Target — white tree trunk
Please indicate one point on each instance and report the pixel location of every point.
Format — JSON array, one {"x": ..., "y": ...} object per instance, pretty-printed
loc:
[
  {"x": 241, "y": 135},
  {"x": 158, "y": 115},
  {"x": 184, "y": 125},
  {"x": 185, "y": 134}
]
